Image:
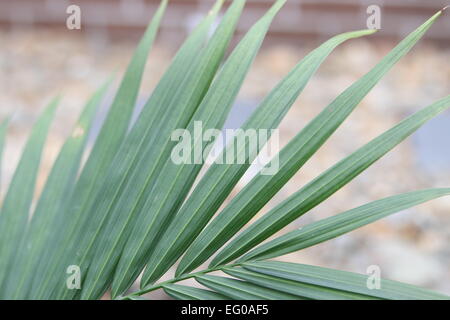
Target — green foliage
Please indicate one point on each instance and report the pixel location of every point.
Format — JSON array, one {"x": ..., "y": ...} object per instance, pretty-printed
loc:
[{"x": 129, "y": 209}]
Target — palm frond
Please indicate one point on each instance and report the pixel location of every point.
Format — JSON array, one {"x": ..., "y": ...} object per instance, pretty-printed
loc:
[
  {"x": 131, "y": 209},
  {"x": 299, "y": 150}
]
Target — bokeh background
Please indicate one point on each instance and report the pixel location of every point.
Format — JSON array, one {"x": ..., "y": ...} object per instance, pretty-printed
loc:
[{"x": 40, "y": 58}]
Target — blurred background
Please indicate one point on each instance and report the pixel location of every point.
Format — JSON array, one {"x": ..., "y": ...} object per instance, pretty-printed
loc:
[{"x": 40, "y": 58}]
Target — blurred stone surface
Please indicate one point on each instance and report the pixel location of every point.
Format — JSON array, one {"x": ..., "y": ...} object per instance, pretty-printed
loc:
[{"x": 411, "y": 246}]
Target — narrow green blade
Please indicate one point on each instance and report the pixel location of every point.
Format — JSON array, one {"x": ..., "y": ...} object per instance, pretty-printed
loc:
[
  {"x": 225, "y": 225},
  {"x": 59, "y": 186},
  {"x": 126, "y": 194},
  {"x": 242, "y": 290},
  {"x": 181, "y": 292},
  {"x": 15, "y": 210},
  {"x": 341, "y": 280},
  {"x": 342, "y": 223},
  {"x": 111, "y": 136},
  {"x": 326, "y": 184},
  {"x": 289, "y": 286}
]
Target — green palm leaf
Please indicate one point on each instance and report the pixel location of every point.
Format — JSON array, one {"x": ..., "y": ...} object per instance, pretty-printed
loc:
[
  {"x": 299, "y": 150},
  {"x": 130, "y": 207}
]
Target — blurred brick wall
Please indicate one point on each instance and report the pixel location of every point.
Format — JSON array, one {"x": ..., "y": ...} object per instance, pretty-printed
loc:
[{"x": 299, "y": 18}]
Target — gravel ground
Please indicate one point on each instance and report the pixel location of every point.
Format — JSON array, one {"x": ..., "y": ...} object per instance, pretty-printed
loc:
[{"x": 411, "y": 246}]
